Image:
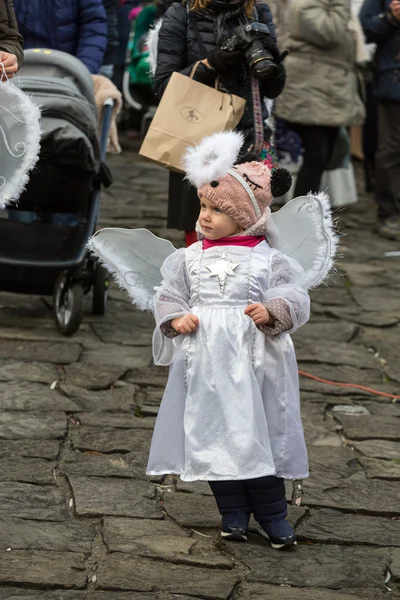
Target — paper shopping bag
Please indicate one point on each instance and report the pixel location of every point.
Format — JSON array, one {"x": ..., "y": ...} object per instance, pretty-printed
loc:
[{"x": 188, "y": 112}]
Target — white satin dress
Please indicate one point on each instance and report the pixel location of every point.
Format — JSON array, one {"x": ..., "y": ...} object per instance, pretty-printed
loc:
[{"x": 231, "y": 407}]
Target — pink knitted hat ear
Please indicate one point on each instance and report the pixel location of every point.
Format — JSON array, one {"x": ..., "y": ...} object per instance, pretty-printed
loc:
[{"x": 243, "y": 193}]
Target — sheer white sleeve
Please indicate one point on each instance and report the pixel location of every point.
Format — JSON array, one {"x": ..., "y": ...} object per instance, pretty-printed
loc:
[
  {"x": 286, "y": 299},
  {"x": 171, "y": 301}
]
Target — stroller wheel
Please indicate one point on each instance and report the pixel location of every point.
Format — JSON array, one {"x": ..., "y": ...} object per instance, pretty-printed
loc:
[
  {"x": 67, "y": 305},
  {"x": 100, "y": 290}
]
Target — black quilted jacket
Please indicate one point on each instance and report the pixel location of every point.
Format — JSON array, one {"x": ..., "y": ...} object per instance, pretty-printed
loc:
[{"x": 178, "y": 50}]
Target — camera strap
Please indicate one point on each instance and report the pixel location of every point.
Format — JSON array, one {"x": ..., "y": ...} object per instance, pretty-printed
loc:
[{"x": 257, "y": 108}]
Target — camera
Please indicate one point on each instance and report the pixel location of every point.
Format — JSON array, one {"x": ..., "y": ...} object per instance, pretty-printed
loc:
[{"x": 248, "y": 38}]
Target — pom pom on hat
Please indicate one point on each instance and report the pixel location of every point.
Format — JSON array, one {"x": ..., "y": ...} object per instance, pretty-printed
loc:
[{"x": 281, "y": 182}]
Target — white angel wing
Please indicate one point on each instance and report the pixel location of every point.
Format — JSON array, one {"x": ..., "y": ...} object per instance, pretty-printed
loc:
[
  {"x": 134, "y": 257},
  {"x": 303, "y": 229},
  {"x": 19, "y": 141}
]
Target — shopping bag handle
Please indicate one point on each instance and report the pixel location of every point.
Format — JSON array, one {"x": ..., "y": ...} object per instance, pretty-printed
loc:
[
  {"x": 223, "y": 94},
  {"x": 195, "y": 66}
]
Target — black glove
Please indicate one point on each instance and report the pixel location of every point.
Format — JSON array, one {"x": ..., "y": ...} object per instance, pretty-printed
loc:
[
  {"x": 270, "y": 45},
  {"x": 222, "y": 60}
]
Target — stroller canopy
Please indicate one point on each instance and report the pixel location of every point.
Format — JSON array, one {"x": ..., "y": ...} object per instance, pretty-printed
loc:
[{"x": 61, "y": 86}]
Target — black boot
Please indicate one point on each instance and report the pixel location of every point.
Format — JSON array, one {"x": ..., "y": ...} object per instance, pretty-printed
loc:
[
  {"x": 268, "y": 503},
  {"x": 233, "y": 504}
]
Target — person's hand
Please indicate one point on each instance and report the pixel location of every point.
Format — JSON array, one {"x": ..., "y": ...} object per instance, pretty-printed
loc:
[
  {"x": 223, "y": 60},
  {"x": 10, "y": 63},
  {"x": 185, "y": 324},
  {"x": 394, "y": 8},
  {"x": 259, "y": 314}
]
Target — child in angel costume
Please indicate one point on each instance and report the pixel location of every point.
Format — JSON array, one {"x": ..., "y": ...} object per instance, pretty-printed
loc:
[{"x": 224, "y": 311}]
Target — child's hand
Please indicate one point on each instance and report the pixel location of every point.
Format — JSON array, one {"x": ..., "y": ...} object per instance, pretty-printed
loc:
[
  {"x": 259, "y": 314},
  {"x": 186, "y": 324},
  {"x": 10, "y": 63}
]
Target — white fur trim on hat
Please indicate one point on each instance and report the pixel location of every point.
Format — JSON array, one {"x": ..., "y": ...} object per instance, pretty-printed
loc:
[{"x": 212, "y": 157}]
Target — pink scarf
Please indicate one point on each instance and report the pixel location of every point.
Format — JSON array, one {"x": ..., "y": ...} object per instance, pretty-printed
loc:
[{"x": 235, "y": 240}]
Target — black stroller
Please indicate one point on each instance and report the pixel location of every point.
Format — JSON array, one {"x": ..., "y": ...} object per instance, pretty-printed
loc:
[{"x": 43, "y": 239}]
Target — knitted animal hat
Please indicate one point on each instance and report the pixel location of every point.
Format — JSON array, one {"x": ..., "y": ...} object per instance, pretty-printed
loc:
[{"x": 243, "y": 191}]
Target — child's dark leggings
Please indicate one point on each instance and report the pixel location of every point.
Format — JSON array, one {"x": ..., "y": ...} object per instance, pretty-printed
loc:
[{"x": 264, "y": 497}]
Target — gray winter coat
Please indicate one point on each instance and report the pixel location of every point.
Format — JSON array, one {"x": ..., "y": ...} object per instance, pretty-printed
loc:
[
  {"x": 386, "y": 34},
  {"x": 322, "y": 85}
]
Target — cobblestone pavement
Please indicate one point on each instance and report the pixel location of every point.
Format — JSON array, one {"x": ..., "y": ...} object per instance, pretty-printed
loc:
[{"x": 79, "y": 520}]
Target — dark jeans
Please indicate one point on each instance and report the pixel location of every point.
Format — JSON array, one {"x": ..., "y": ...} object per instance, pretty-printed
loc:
[
  {"x": 318, "y": 143},
  {"x": 387, "y": 174},
  {"x": 264, "y": 497}
]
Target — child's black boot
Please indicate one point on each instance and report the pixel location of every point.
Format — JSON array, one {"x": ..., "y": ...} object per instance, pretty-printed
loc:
[
  {"x": 233, "y": 504},
  {"x": 268, "y": 503}
]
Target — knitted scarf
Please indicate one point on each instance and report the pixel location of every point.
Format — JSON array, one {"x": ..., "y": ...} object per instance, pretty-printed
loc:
[{"x": 221, "y": 11}]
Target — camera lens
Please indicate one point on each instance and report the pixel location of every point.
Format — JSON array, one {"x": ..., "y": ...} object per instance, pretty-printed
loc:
[{"x": 260, "y": 61}]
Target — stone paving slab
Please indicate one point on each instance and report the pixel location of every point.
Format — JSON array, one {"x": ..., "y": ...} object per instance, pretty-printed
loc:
[
  {"x": 29, "y": 425},
  {"x": 369, "y": 496},
  {"x": 119, "y": 571},
  {"x": 121, "y": 534},
  {"x": 339, "y": 372},
  {"x": 334, "y": 353},
  {"x": 48, "y": 449},
  {"x": 333, "y": 527},
  {"x": 116, "y": 399},
  {"x": 395, "y": 565},
  {"x": 11, "y": 593},
  {"x": 33, "y": 397},
  {"x": 387, "y": 301},
  {"x": 118, "y": 497},
  {"x": 154, "y": 376},
  {"x": 316, "y": 566},
  {"x": 137, "y": 335},
  {"x": 111, "y": 355},
  {"x": 26, "y": 501},
  {"x": 14, "y": 370},
  {"x": 335, "y": 331},
  {"x": 89, "y": 376},
  {"x": 23, "y": 328},
  {"x": 380, "y": 469},
  {"x": 125, "y": 596},
  {"x": 48, "y": 352},
  {"x": 27, "y": 470},
  {"x": 162, "y": 540},
  {"x": 284, "y": 592},
  {"x": 113, "y": 440},
  {"x": 364, "y": 427},
  {"x": 341, "y": 297},
  {"x": 378, "y": 449},
  {"x": 117, "y": 420},
  {"x": 64, "y": 569},
  {"x": 104, "y": 465},
  {"x": 22, "y": 534}
]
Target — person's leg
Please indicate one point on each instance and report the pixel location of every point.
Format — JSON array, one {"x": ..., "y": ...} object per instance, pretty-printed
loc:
[
  {"x": 387, "y": 183},
  {"x": 268, "y": 504},
  {"x": 318, "y": 143},
  {"x": 370, "y": 137},
  {"x": 234, "y": 506}
]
